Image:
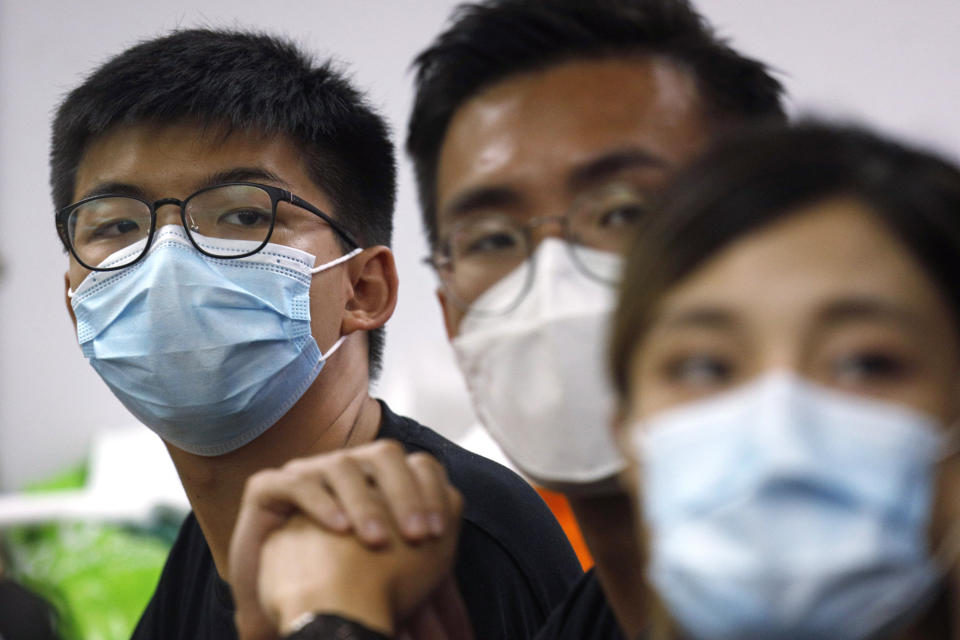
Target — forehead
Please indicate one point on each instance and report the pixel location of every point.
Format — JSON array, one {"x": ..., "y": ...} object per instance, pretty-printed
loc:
[
  {"x": 171, "y": 160},
  {"x": 535, "y": 127},
  {"x": 809, "y": 258}
]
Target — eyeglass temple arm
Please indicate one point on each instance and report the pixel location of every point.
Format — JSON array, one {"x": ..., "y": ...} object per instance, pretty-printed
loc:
[{"x": 303, "y": 204}]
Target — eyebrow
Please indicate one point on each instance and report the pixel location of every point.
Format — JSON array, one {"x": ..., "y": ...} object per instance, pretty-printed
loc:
[
  {"x": 609, "y": 164},
  {"x": 236, "y": 174},
  {"x": 838, "y": 312},
  {"x": 702, "y": 317},
  {"x": 243, "y": 174},
  {"x": 858, "y": 308},
  {"x": 594, "y": 171},
  {"x": 486, "y": 197}
]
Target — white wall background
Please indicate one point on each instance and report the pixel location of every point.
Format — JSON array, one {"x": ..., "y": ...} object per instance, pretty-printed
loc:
[{"x": 892, "y": 63}]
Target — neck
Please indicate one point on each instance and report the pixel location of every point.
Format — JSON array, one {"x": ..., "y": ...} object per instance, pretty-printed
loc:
[
  {"x": 607, "y": 523},
  {"x": 331, "y": 415}
]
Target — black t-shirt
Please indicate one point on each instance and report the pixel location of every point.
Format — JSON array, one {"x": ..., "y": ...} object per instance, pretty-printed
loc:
[
  {"x": 24, "y": 615},
  {"x": 585, "y": 614},
  {"x": 514, "y": 564}
]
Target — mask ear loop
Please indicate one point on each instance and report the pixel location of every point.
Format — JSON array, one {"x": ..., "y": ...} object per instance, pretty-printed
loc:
[
  {"x": 334, "y": 263},
  {"x": 333, "y": 349},
  {"x": 324, "y": 267}
]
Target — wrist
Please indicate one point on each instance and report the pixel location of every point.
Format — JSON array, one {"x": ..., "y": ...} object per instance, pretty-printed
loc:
[{"x": 365, "y": 606}]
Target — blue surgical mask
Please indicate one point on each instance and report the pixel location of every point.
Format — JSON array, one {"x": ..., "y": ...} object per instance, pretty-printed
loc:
[
  {"x": 209, "y": 353},
  {"x": 787, "y": 510}
]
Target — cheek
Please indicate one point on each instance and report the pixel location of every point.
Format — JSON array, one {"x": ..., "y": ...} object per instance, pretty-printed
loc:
[
  {"x": 76, "y": 274},
  {"x": 656, "y": 394},
  {"x": 454, "y": 317},
  {"x": 327, "y": 304}
]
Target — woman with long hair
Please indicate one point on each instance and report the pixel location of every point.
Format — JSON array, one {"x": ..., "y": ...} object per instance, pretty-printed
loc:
[{"x": 786, "y": 354}]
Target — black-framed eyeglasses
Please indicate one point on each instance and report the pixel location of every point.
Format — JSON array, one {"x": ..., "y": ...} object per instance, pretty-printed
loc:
[
  {"x": 99, "y": 226},
  {"x": 486, "y": 249}
]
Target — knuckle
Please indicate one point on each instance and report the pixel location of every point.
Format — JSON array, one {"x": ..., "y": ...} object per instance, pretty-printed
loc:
[
  {"x": 298, "y": 468},
  {"x": 340, "y": 465},
  {"x": 387, "y": 447},
  {"x": 424, "y": 461},
  {"x": 259, "y": 482},
  {"x": 455, "y": 498}
]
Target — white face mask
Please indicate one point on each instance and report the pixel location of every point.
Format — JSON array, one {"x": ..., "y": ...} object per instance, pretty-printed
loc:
[
  {"x": 787, "y": 510},
  {"x": 537, "y": 374}
]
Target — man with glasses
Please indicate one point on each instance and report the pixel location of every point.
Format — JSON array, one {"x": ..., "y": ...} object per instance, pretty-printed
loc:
[
  {"x": 227, "y": 207},
  {"x": 540, "y": 132}
]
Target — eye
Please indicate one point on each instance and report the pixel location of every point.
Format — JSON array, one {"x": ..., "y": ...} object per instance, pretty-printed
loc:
[
  {"x": 624, "y": 215},
  {"x": 112, "y": 229},
  {"x": 491, "y": 242},
  {"x": 700, "y": 371},
  {"x": 606, "y": 219},
  {"x": 486, "y": 243},
  {"x": 249, "y": 217},
  {"x": 868, "y": 367}
]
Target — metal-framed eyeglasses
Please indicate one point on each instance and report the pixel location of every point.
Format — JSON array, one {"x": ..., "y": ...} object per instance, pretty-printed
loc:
[
  {"x": 99, "y": 226},
  {"x": 482, "y": 249}
]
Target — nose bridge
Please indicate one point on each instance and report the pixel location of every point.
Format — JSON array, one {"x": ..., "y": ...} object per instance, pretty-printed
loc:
[
  {"x": 783, "y": 435},
  {"x": 168, "y": 211},
  {"x": 546, "y": 227}
]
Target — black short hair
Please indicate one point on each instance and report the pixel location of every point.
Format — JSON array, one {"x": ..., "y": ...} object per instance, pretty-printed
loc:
[
  {"x": 766, "y": 173},
  {"x": 237, "y": 80},
  {"x": 489, "y": 41}
]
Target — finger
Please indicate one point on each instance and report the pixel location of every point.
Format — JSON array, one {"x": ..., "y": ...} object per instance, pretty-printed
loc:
[
  {"x": 455, "y": 503},
  {"x": 451, "y": 610},
  {"x": 387, "y": 463},
  {"x": 285, "y": 491},
  {"x": 363, "y": 503},
  {"x": 253, "y": 525},
  {"x": 433, "y": 482},
  {"x": 269, "y": 498}
]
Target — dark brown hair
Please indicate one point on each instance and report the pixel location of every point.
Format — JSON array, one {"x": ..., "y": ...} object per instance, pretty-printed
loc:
[{"x": 749, "y": 181}]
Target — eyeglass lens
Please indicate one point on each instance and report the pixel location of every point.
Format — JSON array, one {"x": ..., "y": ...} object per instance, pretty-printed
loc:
[
  {"x": 104, "y": 226},
  {"x": 495, "y": 248}
]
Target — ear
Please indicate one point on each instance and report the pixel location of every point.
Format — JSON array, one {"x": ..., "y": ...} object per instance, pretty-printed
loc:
[
  {"x": 447, "y": 322},
  {"x": 66, "y": 299},
  {"x": 373, "y": 276}
]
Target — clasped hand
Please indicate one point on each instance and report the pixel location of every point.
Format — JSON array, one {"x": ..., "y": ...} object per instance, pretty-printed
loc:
[{"x": 368, "y": 533}]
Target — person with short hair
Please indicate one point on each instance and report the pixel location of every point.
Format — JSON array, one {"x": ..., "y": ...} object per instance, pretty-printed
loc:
[
  {"x": 227, "y": 207},
  {"x": 540, "y": 134}
]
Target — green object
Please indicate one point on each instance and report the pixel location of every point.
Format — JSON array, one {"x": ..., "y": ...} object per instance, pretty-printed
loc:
[{"x": 98, "y": 576}]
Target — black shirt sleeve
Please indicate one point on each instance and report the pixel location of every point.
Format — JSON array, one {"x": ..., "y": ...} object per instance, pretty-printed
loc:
[
  {"x": 585, "y": 614},
  {"x": 25, "y": 615}
]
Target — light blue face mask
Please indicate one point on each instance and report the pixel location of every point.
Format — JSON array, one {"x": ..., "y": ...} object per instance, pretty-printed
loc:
[
  {"x": 209, "y": 353},
  {"x": 786, "y": 510}
]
